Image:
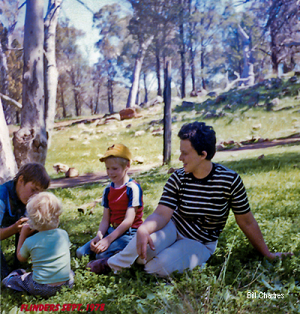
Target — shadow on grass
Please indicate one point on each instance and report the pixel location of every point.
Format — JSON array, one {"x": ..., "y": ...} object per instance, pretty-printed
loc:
[{"x": 279, "y": 162}]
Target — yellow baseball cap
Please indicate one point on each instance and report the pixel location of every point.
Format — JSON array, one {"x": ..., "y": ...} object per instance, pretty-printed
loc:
[{"x": 117, "y": 150}]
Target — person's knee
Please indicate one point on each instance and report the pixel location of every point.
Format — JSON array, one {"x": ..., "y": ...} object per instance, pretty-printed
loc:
[
  {"x": 156, "y": 267},
  {"x": 80, "y": 252}
]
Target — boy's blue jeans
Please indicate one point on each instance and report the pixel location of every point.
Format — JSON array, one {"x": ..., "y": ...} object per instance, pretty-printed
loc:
[{"x": 115, "y": 247}]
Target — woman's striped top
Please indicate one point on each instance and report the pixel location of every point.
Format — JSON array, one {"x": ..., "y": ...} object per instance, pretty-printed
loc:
[{"x": 201, "y": 206}]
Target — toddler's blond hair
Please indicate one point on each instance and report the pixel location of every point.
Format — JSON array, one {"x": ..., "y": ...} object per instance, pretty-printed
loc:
[{"x": 43, "y": 211}]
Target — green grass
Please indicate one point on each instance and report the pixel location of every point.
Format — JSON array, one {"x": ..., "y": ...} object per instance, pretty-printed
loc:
[{"x": 235, "y": 269}]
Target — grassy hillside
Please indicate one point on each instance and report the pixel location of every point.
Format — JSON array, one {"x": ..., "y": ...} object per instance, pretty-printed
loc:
[{"x": 236, "y": 270}]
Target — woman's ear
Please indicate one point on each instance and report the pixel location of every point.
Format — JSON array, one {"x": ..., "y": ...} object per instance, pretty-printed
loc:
[{"x": 204, "y": 154}]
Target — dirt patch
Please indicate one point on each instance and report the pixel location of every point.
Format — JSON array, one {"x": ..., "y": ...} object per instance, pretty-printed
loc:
[{"x": 90, "y": 178}]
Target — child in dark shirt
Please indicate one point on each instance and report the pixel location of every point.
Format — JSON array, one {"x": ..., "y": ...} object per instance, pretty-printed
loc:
[{"x": 14, "y": 195}]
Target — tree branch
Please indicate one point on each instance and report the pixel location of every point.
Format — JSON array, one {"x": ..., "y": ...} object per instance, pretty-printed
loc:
[
  {"x": 291, "y": 44},
  {"x": 21, "y": 5},
  {"x": 81, "y": 2},
  {"x": 12, "y": 101},
  {"x": 264, "y": 51}
]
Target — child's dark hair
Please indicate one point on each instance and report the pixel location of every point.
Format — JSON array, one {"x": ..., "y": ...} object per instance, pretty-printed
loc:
[
  {"x": 201, "y": 136},
  {"x": 34, "y": 172}
]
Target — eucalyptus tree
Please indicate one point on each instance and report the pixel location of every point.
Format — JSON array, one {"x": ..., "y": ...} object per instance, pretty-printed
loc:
[
  {"x": 31, "y": 140},
  {"x": 15, "y": 69},
  {"x": 164, "y": 42},
  {"x": 8, "y": 166},
  {"x": 112, "y": 23},
  {"x": 71, "y": 68},
  {"x": 182, "y": 42},
  {"x": 98, "y": 83},
  {"x": 50, "y": 68},
  {"x": 207, "y": 22},
  {"x": 9, "y": 11},
  {"x": 4, "y": 73},
  {"x": 62, "y": 86},
  {"x": 242, "y": 43},
  {"x": 142, "y": 28},
  {"x": 280, "y": 20}
]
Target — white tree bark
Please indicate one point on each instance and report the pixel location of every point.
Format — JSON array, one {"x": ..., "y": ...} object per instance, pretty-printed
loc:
[
  {"x": 137, "y": 71},
  {"x": 248, "y": 71},
  {"x": 4, "y": 84},
  {"x": 11, "y": 101},
  {"x": 51, "y": 73},
  {"x": 8, "y": 166},
  {"x": 30, "y": 142}
]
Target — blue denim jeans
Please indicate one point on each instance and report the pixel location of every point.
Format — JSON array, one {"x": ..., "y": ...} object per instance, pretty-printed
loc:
[{"x": 115, "y": 247}]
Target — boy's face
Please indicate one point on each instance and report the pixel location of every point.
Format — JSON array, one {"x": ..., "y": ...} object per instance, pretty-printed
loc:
[
  {"x": 26, "y": 190},
  {"x": 116, "y": 172},
  {"x": 189, "y": 157}
]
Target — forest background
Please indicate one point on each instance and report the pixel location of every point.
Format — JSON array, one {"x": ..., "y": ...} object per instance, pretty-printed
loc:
[{"x": 204, "y": 40}]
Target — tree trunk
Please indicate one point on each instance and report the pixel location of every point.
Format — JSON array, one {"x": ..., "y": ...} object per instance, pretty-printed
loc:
[
  {"x": 30, "y": 142},
  {"x": 274, "y": 58},
  {"x": 110, "y": 96},
  {"x": 97, "y": 98},
  {"x": 192, "y": 65},
  {"x": 111, "y": 87},
  {"x": 191, "y": 50},
  {"x": 62, "y": 100},
  {"x": 203, "y": 84},
  {"x": 136, "y": 72},
  {"x": 9, "y": 112},
  {"x": 77, "y": 102},
  {"x": 51, "y": 73},
  {"x": 167, "y": 114},
  {"x": 248, "y": 71},
  {"x": 137, "y": 100},
  {"x": 182, "y": 48},
  {"x": 91, "y": 106},
  {"x": 145, "y": 88},
  {"x": 157, "y": 65},
  {"x": 8, "y": 166}
]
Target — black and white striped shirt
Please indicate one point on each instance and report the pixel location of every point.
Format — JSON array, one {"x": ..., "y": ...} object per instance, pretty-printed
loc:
[{"x": 201, "y": 206}]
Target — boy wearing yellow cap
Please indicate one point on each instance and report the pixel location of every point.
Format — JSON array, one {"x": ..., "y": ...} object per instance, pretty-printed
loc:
[{"x": 123, "y": 206}]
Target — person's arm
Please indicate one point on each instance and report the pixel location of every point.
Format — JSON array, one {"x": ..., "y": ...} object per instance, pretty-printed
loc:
[
  {"x": 249, "y": 226},
  {"x": 25, "y": 233},
  {"x": 104, "y": 224},
  {"x": 156, "y": 221},
  {"x": 13, "y": 229}
]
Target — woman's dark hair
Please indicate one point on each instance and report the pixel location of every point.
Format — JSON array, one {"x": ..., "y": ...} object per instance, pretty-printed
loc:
[{"x": 201, "y": 136}]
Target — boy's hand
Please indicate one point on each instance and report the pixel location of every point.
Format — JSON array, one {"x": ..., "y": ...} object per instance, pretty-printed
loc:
[
  {"x": 18, "y": 225},
  {"x": 94, "y": 243},
  {"x": 26, "y": 230},
  {"x": 142, "y": 239},
  {"x": 102, "y": 245}
]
